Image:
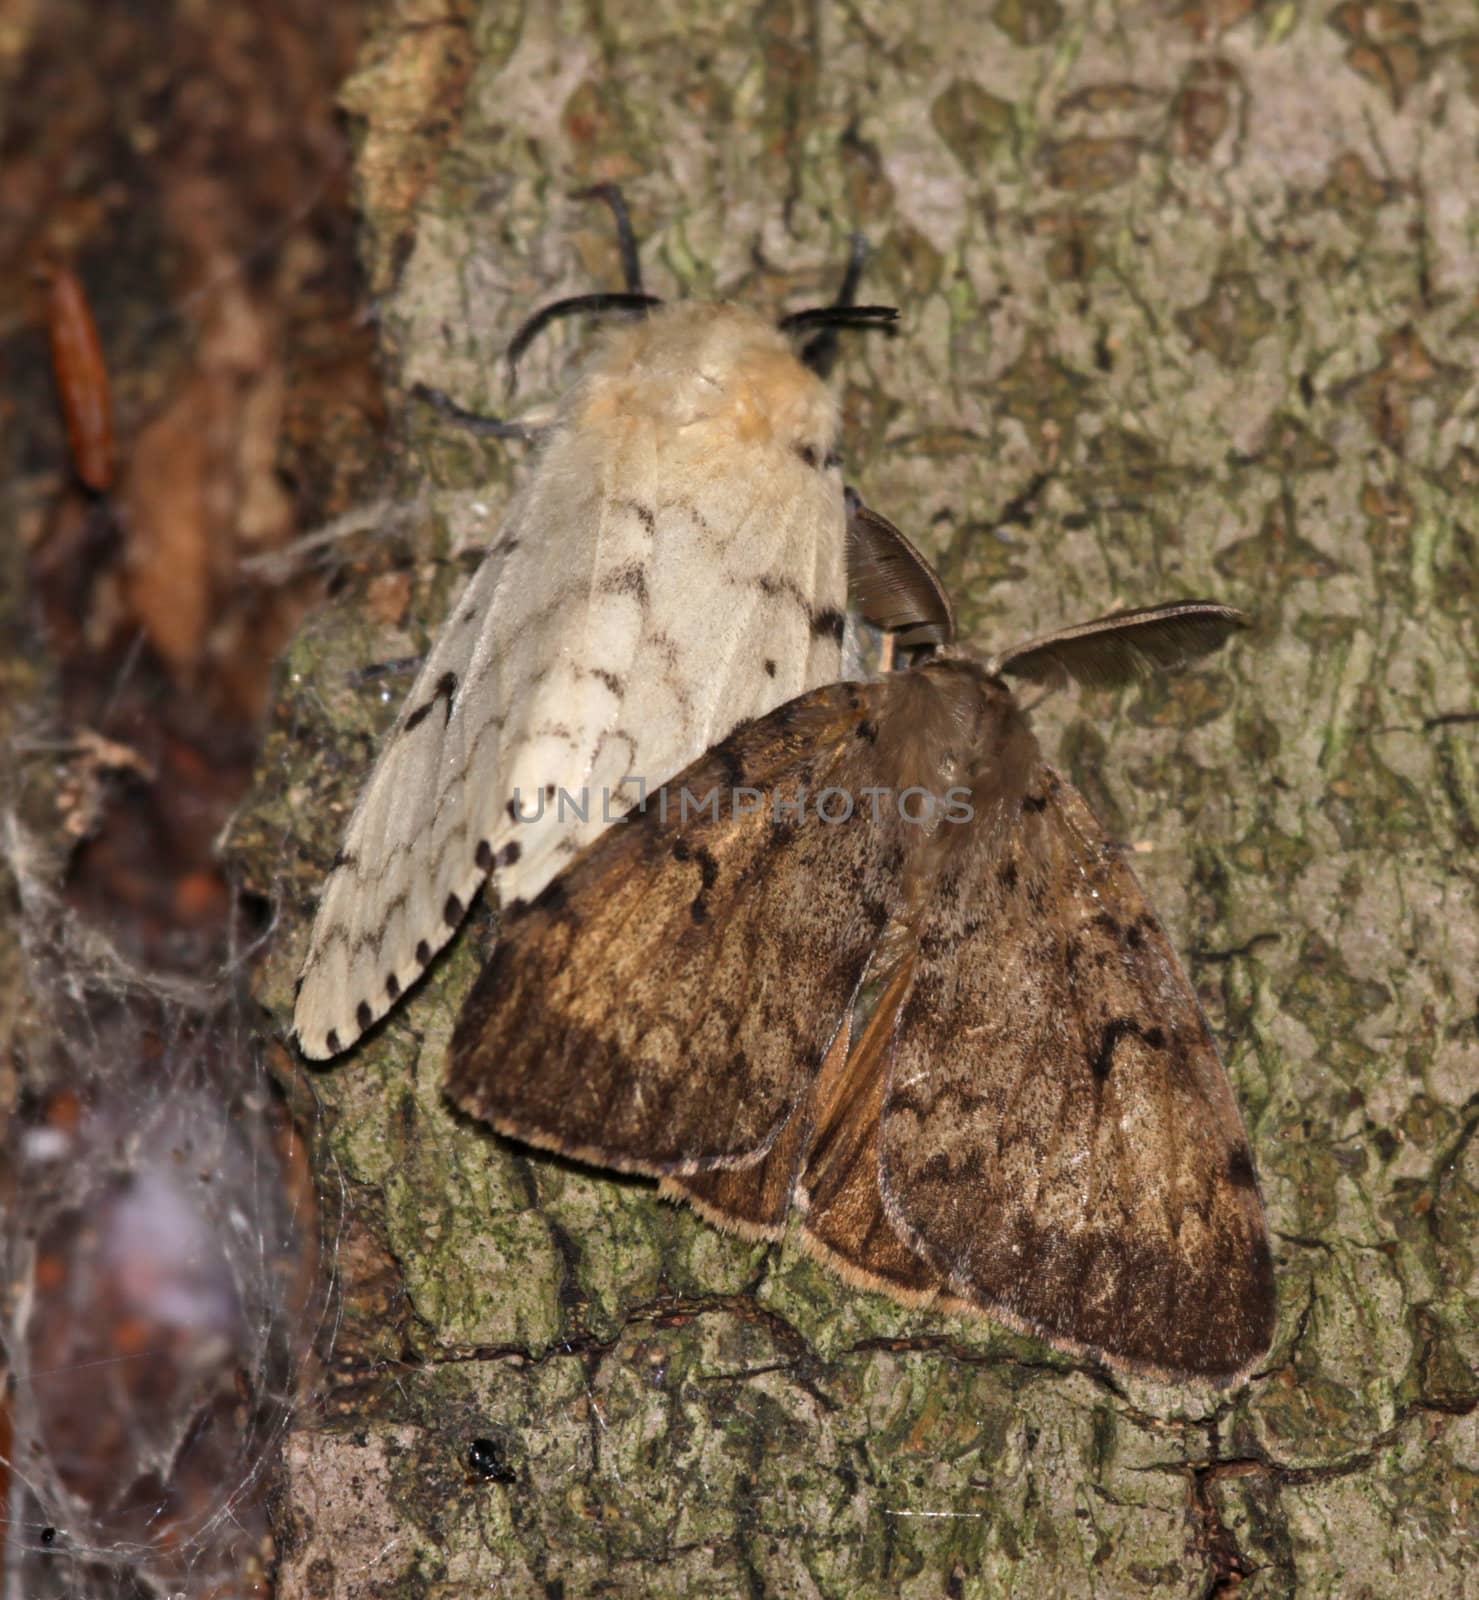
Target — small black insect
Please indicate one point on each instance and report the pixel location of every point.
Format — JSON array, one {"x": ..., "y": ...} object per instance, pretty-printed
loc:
[{"x": 488, "y": 1460}]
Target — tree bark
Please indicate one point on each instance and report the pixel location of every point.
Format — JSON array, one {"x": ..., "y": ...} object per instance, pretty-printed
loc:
[{"x": 1188, "y": 309}]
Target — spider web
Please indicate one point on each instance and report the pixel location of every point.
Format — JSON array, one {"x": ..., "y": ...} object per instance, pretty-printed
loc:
[{"x": 163, "y": 1249}]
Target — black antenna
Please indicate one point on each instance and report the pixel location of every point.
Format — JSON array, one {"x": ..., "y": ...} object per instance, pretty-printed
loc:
[
  {"x": 631, "y": 300},
  {"x": 838, "y": 317},
  {"x": 626, "y": 238},
  {"x": 820, "y": 353},
  {"x": 576, "y": 305}
]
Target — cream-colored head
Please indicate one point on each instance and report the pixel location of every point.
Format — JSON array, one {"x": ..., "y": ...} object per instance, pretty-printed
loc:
[{"x": 720, "y": 374}]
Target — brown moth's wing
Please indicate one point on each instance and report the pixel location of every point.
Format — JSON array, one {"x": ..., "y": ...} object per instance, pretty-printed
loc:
[
  {"x": 664, "y": 1005},
  {"x": 1059, "y": 1138},
  {"x": 846, "y": 1225},
  {"x": 753, "y": 1201}
]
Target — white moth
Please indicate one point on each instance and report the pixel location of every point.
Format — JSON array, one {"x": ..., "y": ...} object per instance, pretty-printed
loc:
[{"x": 675, "y": 565}]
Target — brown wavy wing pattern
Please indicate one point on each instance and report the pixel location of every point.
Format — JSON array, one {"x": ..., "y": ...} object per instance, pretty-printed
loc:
[
  {"x": 1032, "y": 1120},
  {"x": 666, "y": 1003},
  {"x": 1059, "y": 1139}
]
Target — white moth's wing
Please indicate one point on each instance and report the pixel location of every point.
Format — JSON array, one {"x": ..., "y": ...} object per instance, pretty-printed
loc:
[
  {"x": 675, "y": 565},
  {"x": 713, "y": 597},
  {"x": 380, "y": 915}
]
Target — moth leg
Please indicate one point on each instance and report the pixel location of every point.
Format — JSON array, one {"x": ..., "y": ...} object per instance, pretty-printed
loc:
[
  {"x": 396, "y": 667},
  {"x": 475, "y": 422},
  {"x": 847, "y": 1226}
]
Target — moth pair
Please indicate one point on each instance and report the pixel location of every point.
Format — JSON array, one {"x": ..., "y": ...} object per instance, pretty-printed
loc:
[{"x": 861, "y": 953}]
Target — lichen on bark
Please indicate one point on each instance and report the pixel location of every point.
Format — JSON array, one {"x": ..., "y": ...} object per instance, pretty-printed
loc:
[{"x": 1188, "y": 308}]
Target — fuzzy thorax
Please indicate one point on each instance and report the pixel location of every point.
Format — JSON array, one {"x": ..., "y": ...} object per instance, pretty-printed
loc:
[{"x": 719, "y": 374}]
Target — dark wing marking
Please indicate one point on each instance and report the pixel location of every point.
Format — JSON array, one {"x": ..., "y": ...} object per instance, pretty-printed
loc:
[
  {"x": 1059, "y": 1139},
  {"x": 1125, "y": 645}
]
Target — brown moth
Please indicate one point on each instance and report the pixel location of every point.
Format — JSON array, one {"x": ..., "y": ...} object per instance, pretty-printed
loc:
[{"x": 1033, "y": 1121}]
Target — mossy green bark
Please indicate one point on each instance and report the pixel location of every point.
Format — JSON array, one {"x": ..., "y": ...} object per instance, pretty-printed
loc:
[{"x": 1189, "y": 308}]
